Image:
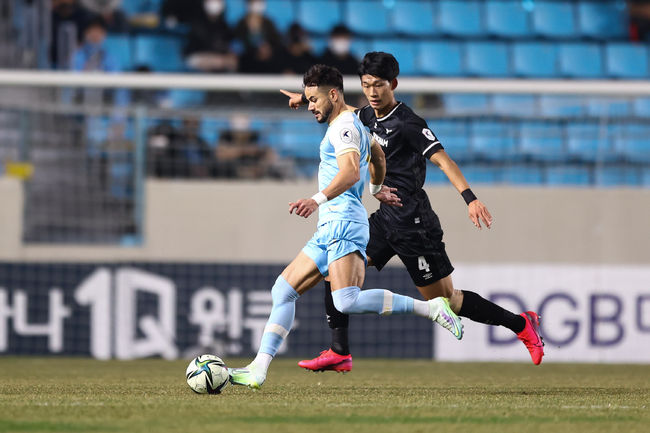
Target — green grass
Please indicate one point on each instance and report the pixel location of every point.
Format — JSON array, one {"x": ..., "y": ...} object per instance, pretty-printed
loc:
[{"x": 81, "y": 395}]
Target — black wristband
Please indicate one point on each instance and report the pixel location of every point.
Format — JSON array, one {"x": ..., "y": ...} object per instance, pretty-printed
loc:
[
  {"x": 468, "y": 196},
  {"x": 304, "y": 99}
]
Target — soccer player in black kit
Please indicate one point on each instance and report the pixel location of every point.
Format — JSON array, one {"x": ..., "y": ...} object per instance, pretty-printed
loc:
[{"x": 413, "y": 231}]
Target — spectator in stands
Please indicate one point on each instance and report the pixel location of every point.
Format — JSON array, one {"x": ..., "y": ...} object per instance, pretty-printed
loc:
[
  {"x": 184, "y": 11},
  {"x": 109, "y": 10},
  {"x": 208, "y": 47},
  {"x": 338, "y": 51},
  {"x": 259, "y": 42},
  {"x": 160, "y": 158},
  {"x": 68, "y": 22},
  {"x": 299, "y": 55},
  {"x": 190, "y": 153},
  {"x": 639, "y": 11},
  {"x": 240, "y": 155}
]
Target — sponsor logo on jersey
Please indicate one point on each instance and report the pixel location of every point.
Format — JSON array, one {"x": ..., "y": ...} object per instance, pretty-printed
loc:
[
  {"x": 346, "y": 135},
  {"x": 427, "y": 133},
  {"x": 382, "y": 141},
  {"x": 388, "y": 131}
]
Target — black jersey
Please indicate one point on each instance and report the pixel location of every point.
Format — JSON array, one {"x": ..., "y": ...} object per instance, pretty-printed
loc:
[{"x": 408, "y": 143}]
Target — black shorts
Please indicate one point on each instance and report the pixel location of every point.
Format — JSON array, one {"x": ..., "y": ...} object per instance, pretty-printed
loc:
[{"x": 421, "y": 250}]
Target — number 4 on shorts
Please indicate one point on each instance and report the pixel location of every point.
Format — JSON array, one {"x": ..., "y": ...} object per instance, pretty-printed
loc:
[{"x": 422, "y": 264}]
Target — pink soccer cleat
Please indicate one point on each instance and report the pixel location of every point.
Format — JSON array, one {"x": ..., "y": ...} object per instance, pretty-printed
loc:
[
  {"x": 531, "y": 338},
  {"x": 328, "y": 360}
]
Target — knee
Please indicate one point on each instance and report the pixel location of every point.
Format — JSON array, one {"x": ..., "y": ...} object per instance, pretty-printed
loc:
[
  {"x": 344, "y": 300},
  {"x": 282, "y": 292}
]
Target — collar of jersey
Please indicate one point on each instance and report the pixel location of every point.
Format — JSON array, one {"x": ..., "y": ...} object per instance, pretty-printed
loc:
[
  {"x": 389, "y": 114},
  {"x": 339, "y": 115}
]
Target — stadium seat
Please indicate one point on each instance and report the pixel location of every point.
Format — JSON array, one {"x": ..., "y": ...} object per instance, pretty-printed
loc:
[
  {"x": 645, "y": 177},
  {"x": 319, "y": 16},
  {"x": 561, "y": 106},
  {"x": 299, "y": 139},
  {"x": 359, "y": 47},
  {"x": 588, "y": 142},
  {"x": 366, "y": 17},
  {"x": 281, "y": 12},
  {"x": 492, "y": 141},
  {"x": 602, "y": 20},
  {"x": 522, "y": 174},
  {"x": 507, "y": 19},
  {"x": 235, "y": 10},
  {"x": 442, "y": 58},
  {"x": 642, "y": 107},
  {"x": 134, "y": 7},
  {"x": 119, "y": 47},
  {"x": 210, "y": 129},
  {"x": 607, "y": 107},
  {"x": 534, "y": 59},
  {"x": 616, "y": 176},
  {"x": 160, "y": 53},
  {"x": 465, "y": 103},
  {"x": 414, "y": 18},
  {"x": 625, "y": 60},
  {"x": 576, "y": 175},
  {"x": 435, "y": 175},
  {"x": 453, "y": 136},
  {"x": 514, "y": 105},
  {"x": 460, "y": 18},
  {"x": 541, "y": 141},
  {"x": 182, "y": 98},
  {"x": 487, "y": 59},
  {"x": 404, "y": 52},
  {"x": 581, "y": 60},
  {"x": 632, "y": 142},
  {"x": 554, "y": 19},
  {"x": 479, "y": 173}
]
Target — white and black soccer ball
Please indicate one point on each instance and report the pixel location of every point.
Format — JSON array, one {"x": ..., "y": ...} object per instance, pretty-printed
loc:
[{"x": 207, "y": 374}]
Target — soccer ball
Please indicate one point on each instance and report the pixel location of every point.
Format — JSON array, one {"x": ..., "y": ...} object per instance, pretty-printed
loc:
[{"x": 207, "y": 374}]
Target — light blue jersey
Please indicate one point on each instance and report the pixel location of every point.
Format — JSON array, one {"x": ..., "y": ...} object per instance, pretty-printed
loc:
[{"x": 345, "y": 134}]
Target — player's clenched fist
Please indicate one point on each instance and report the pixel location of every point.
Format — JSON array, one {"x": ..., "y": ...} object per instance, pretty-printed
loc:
[{"x": 303, "y": 207}]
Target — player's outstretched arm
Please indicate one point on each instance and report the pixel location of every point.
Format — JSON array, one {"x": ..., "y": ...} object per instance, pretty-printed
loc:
[
  {"x": 295, "y": 100},
  {"x": 476, "y": 209},
  {"x": 348, "y": 175},
  {"x": 377, "y": 169}
]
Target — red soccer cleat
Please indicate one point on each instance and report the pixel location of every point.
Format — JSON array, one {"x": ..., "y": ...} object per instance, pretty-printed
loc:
[
  {"x": 531, "y": 338},
  {"x": 328, "y": 360}
]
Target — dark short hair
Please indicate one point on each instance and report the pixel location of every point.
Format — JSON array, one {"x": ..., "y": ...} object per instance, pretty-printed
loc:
[
  {"x": 379, "y": 64},
  {"x": 96, "y": 21},
  {"x": 323, "y": 75},
  {"x": 340, "y": 30}
]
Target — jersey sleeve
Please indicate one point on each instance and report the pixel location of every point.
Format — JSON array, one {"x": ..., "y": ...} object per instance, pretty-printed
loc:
[
  {"x": 421, "y": 138},
  {"x": 345, "y": 137}
]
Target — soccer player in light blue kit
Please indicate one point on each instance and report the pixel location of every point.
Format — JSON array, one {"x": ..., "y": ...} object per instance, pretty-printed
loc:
[{"x": 338, "y": 248}]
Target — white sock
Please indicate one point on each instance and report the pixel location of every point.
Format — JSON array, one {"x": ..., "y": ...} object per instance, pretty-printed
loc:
[
  {"x": 421, "y": 308},
  {"x": 262, "y": 361}
]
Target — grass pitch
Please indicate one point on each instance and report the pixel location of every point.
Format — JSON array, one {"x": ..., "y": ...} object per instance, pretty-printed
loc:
[{"x": 81, "y": 395}]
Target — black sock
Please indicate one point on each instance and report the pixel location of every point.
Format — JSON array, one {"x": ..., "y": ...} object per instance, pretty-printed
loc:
[
  {"x": 338, "y": 323},
  {"x": 481, "y": 310}
]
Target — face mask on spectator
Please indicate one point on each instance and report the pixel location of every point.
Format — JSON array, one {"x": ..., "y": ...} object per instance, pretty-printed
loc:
[
  {"x": 213, "y": 7},
  {"x": 340, "y": 46},
  {"x": 257, "y": 7}
]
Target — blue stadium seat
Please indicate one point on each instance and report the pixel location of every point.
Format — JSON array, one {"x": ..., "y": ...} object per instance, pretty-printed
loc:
[
  {"x": 616, "y": 176},
  {"x": 479, "y": 173},
  {"x": 487, "y": 59},
  {"x": 642, "y": 107},
  {"x": 632, "y": 141},
  {"x": 645, "y": 177},
  {"x": 514, "y": 105},
  {"x": 435, "y": 175},
  {"x": 576, "y": 175},
  {"x": 581, "y": 60},
  {"x": 522, "y": 174},
  {"x": 602, "y": 20},
  {"x": 541, "y": 141},
  {"x": 460, "y": 18},
  {"x": 299, "y": 139},
  {"x": 442, "y": 58},
  {"x": 588, "y": 142},
  {"x": 454, "y": 137},
  {"x": 134, "y": 7},
  {"x": 553, "y": 19},
  {"x": 534, "y": 59},
  {"x": 626, "y": 60},
  {"x": 366, "y": 17},
  {"x": 414, "y": 18},
  {"x": 561, "y": 106},
  {"x": 507, "y": 19},
  {"x": 359, "y": 47},
  {"x": 492, "y": 141},
  {"x": 319, "y": 16},
  {"x": 182, "y": 98},
  {"x": 404, "y": 52},
  {"x": 605, "y": 107},
  {"x": 235, "y": 10},
  {"x": 119, "y": 47},
  {"x": 210, "y": 129},
  {"x": 160, "y": 53},
  {"x": 281, "y": 12},
  {"x": 465, "y": 103}
]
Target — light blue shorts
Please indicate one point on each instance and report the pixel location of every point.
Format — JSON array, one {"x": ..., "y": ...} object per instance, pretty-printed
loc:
[{"x": 336, "y": 239}]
